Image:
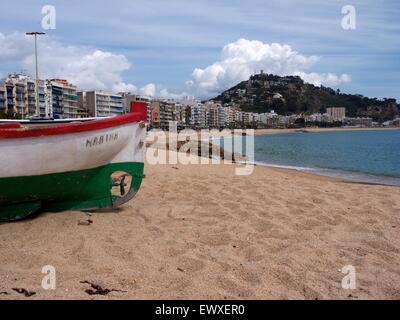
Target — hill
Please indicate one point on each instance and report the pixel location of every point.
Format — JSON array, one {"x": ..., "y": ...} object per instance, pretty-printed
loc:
[{"x": 290, "y": 95}]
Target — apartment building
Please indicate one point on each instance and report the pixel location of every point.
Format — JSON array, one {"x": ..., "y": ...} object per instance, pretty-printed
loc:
[
  {"x": 101, "y": 104},
  {"x": 3, "y": 104},
  {"x": 18, "y": 96},
  {"x": 212, "y": 116},
  {"x": 82, "y": 105},
  {"x": 223, "y": 117},
  {"x": 128, "y": 98},
  {"x": 359, "y": 122},
  {"x": 182, "y": 115},
  {"x": 62, "y": 99},
  {"x": 167, "y": 114},
  {"x": 57, "y": 98},
  {"x": 233, "y": 114},
  {"x": 198, "y": 116},
  {"x": 44, "y": 109},
  {"x": 246, "y": 117},
  {"x": 336, "y": 113}
]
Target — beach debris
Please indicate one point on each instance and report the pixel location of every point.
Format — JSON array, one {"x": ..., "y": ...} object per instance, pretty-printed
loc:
[
  {"x": 98, "y": 290},
  {"x": 87, "y": 222},
  {"x": 180, "y": 269},
  {"x": 25, "y": 292},
  {"x": 175, "y": 168},
  {"x": 4, "y": 293}
]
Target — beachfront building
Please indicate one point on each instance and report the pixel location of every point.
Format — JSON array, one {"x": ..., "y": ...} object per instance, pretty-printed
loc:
[
  {"x": 197, "y": 117},
  {"x": 223, "y": 116},
  {"x": 337, "y": 113},
  {"x": 268, "y": 118},
  {"x": 128, "y": 98},
  {"x": 3, "y": 103},
  {"x": 212, "y": 116},
  {"x": 82, "y": 105},
  {"x": 167, "y": 114},
  {"x": 180, "y": 115},
  {"x": 233, "y": 114},
  {"x": 395, "y": 122},
  {"x": 359, "y": 122},
  {"x": 61, "y": 99},
  {"x": 44, "y": 108},
  {"x": 153, "y": 114},
  {"x": 155, "y": 117},
  {"x": 246, "y": 117},
  {"x": 318, "y": 118},
  {"x": 18, "y": 96},
  {"x": 101, "y": 104}
]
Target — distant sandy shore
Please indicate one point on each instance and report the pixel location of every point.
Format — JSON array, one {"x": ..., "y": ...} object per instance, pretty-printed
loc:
[
  {"x": 274, "y": 131},
  {"x": 201, "y": 232}
]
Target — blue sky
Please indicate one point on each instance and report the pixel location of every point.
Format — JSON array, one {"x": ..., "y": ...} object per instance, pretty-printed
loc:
[{"x": 162, "y": 42}]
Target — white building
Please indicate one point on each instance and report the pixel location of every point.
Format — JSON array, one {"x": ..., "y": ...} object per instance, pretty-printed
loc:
[
  {"x": 62, "y": 99},
  {"x": 18, "y": 96},
  {"x": 223, "y": 116},
  {"x": 198, "y": 115},
  {"x": 337, "y": 113},
  {"x": 102, "y": 104}
]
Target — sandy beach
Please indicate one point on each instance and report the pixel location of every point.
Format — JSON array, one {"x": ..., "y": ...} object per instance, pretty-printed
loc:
[{"x": 200, "y": 232}]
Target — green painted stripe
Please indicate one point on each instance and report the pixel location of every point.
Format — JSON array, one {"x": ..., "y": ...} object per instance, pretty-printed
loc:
[{"x": 75, "y": 190}]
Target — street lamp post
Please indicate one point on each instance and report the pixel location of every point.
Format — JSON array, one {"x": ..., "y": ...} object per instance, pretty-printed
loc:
[{"x": 37, "y": 69}]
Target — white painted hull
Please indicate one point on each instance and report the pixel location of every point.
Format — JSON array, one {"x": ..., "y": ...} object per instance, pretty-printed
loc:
[{"x": 71, "y": 152}]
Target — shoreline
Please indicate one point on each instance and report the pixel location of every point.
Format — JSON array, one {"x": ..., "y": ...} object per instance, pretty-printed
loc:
[
  {"x": 337, "y": 175},
  {"x": 278, "y": 131},
  {"x": 345, "y": 175}
]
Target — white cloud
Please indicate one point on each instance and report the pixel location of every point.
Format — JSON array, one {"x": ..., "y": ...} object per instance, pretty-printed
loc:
[
  {"x": 326, "y": 79},
  {"x": 86, "y": 67},
  {"x": 148, "y": 90},
  {"x": 90, "y": 68},
  {"x": 14, "y": 46},
  {"x": 165, "y": 94},
  {"x": 124, "y": 87},
  {"x": 243, "y": 58}
]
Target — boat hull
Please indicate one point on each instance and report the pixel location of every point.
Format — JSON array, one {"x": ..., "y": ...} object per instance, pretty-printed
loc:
[
  {"x": 71, "y": 171},
  {"x": 87, "y": 189}
]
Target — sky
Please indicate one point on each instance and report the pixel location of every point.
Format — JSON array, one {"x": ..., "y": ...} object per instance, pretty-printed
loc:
[{"x": 170, "y": 48}]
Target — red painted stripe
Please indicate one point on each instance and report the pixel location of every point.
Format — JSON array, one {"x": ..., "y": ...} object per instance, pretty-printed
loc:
[
  {"x": 12, "y": 133},
  {"x": 14, "y": 125}
]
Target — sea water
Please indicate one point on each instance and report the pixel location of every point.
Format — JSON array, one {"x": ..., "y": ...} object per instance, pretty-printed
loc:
[
  {"x": 368, "y": 156},
  {"x": 371, "y": 156}
]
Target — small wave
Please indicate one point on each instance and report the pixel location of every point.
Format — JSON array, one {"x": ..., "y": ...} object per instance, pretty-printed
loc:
[{"x": 346, "y": 175}]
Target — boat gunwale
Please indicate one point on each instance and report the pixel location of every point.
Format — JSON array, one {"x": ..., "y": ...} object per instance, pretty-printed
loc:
[{"x": 17, "y": 131}]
